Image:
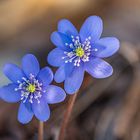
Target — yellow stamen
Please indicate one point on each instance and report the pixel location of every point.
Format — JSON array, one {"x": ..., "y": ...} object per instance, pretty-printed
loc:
[
  {"x": 31, "y": 88},
  {"x": 79, "y": 52}
]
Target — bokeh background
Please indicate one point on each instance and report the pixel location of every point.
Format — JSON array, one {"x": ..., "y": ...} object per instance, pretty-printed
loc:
[{"x": 106, "y": 109}]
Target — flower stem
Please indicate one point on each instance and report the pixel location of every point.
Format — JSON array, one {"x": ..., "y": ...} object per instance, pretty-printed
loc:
[
  {"x": 67, "y": 116},
  {"x": 40, "y": 131}
]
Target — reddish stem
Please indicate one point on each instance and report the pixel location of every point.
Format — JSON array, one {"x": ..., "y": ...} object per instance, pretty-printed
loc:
[
  {"x": 67, "y": 116},
  {"x": 40, "y": 131}
]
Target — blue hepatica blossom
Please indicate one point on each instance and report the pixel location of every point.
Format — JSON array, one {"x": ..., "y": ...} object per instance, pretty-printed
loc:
[
  {"x": 31, "y": 86},
  {"x": 80, "y": 52}
]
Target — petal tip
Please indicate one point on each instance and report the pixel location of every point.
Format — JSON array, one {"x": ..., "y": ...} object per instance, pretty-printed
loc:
[
  {"x": 62, "y": 21},
  {"x": 29, "y": 55},
  {"x": 93, "y": 27},
  {"x": 53, "y": 34},
  {"x": 70, "y": 92},
  {"x": 30, "y": 65},
  {"x": 5, "y": 68},
  {"x": 95, "y": 16}
]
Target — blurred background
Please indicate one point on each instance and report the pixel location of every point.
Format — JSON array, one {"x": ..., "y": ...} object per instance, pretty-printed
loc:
[{"x": 106, "y": 109}]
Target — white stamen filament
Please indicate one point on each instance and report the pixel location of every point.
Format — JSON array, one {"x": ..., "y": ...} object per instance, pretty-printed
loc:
[
  {"x": 25, "y": 93},
  {"x": 76, "y": 44}
]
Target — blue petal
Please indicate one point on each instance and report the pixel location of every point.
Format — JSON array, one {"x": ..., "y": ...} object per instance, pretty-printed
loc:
[
  {"x": 45, "y": 76},
  {"x": 92, "y": 27},
  {"x": 8, "y": 93},
  {"x": 41, "y": 110},
  {"x": 55, "y": 57},
  {"x": 98, "y": 68},
  {"x": 66, "y": 27},
  {"x": 60, "y": 40},
  {"x": 30, "y": 65},
  {"x": 54, "y": 94},
  {"x": 74, "y": 81},
  {"x": 110, "y": 45},
  {"x": 13, "y": 72},
  {"x": 62, "y": 72},
  {"x": 96, "y": 49},
  {"x": 25, "y": 113}
]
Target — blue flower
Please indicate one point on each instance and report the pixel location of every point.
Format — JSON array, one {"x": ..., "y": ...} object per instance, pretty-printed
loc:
[
  {"x": 80, "y": 52},
  {"x": 31, "y": 86}
]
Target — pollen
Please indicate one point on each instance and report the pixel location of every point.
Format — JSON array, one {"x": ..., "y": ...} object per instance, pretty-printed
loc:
[
  {"x": 79, "y": 52},
  {"x": 31, "y": 88}
]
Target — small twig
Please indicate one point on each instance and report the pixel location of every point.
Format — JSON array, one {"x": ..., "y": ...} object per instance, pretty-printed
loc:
[
  {"x": 40, "y": 131},
  {"x": 67, "y": 116}
]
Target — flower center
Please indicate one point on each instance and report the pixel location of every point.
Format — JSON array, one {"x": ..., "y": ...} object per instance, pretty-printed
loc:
[
  {"x": 79, "y": 52},
  {"x": 31, "y": 88}
]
